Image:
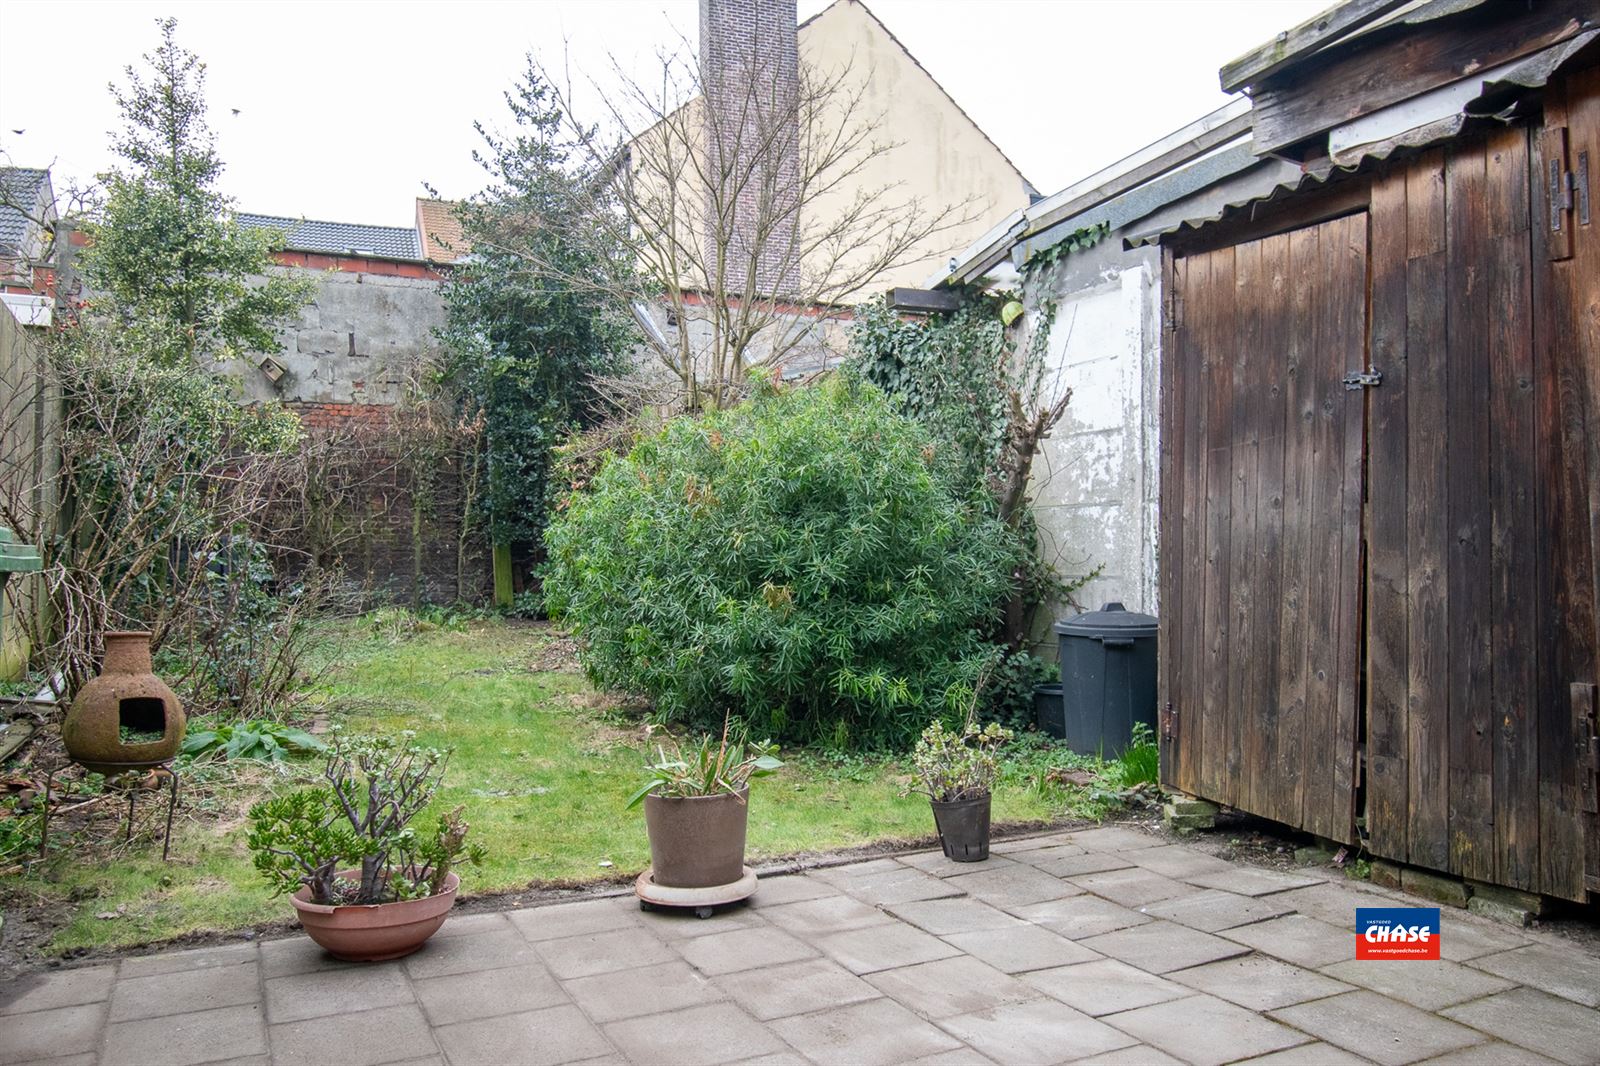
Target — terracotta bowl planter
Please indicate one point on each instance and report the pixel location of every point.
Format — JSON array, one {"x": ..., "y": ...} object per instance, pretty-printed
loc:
[
  {"x": 697, "y": 841},
  {"x": 378, "y": 931}
]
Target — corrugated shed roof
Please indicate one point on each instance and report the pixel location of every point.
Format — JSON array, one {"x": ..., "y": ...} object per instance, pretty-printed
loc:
[
  {"x": 1203, "y": 152},
  {"x": 339, "y": 238},
  {"x": 440, "y": 231},
  {"x": 1498, "y": 96},
  {"x": 21, "y": 189},
  {"x": 1283, "y": 181}
]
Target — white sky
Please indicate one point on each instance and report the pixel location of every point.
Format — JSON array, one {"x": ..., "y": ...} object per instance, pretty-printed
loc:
[{"x": 346, "y": 107}]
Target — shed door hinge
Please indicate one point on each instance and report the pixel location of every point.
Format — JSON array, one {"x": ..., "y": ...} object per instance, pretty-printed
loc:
[
  {"x": 1557, "y": 185},
  {"x": 1363, "y": 379},
  {"x": 1169, "y": 721},
  {"x": 1586, "y": 732}
]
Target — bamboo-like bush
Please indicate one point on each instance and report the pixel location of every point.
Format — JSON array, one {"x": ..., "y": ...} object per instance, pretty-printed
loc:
[{"x": 799, "y": 561}]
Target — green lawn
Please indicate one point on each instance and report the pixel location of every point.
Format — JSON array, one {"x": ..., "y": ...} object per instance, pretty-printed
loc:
[{"x": 541, "y": 764}]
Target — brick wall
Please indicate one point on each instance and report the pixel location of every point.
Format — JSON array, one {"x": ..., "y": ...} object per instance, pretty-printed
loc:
[
  {"x": 749, "y": 73},
  {"x": 389, "y": 551}
]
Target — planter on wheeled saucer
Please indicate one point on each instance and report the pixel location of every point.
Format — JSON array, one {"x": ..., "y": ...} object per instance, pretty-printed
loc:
[
  {"x": 696, "y": 851},
  {"x": 964, "y": 827}
]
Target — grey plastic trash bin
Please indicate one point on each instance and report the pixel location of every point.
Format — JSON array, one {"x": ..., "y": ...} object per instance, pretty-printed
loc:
[{"x": 1108, "y": 678}]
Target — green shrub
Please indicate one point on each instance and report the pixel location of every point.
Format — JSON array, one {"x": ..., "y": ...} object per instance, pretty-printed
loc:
[
  {"x": 798, "y": 561},
  {"x": 1007, "y": 698}
]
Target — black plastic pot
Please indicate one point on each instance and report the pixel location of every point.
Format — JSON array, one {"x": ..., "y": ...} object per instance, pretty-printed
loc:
[
  {"x": 963, "y": 828},
  {"x": 1047, "y": 711}
]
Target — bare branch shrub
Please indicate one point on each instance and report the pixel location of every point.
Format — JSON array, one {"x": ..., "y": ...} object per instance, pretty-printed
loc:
[{"x": 151, "y": 473}]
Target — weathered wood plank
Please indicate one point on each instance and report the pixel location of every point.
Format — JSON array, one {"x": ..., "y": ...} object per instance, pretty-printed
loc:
[
  {"x": 1246, "y": 350},
  {"x": 1566, "y": 595},
  {"x": 1427, "y": 519},
  {"x": 1514, "y": 551},
  {"x": 1396, "y": 63},
  {"x": 1292, "y": 44},
  {"x": 1300, "y": 570},
  {"x": 1347, "y": 301},
  {"x": 1467, "y": 326},
  {"x": 1196, "y": 272},
  {"x": 1275, "y": 297},
  {"x": 1218, "y": 342},
  {"x": 1170, "y": 563},
  {"x": 1582, "y": 94},
  {"x": 1388, "y": 564},
  {"x": 1324, "y": 373}
]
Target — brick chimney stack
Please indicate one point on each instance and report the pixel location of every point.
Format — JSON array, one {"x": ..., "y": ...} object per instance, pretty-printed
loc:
[{"x": 750, "y": 75}]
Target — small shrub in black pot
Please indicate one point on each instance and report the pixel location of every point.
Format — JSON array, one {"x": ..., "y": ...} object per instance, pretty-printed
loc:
[{"x": 958, "y": 770}]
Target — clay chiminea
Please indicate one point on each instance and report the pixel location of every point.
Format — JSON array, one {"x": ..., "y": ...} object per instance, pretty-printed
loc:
[{"x": 126, "y": 718}]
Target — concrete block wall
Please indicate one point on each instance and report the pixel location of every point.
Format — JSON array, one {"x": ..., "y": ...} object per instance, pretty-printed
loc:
[{"x": 355, "y": 341}]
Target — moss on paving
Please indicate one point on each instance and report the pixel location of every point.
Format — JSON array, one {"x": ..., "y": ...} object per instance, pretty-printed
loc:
[{"x": 542, "y": 767}]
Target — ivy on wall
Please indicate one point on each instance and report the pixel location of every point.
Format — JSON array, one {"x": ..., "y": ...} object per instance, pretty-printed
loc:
[
  {"x": 979, "y": 385},
  {"x": 1079, "y": 240}
]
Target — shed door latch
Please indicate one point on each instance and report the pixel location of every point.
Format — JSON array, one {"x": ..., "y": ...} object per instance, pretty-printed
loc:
[{"x": 1370, "y": 378}]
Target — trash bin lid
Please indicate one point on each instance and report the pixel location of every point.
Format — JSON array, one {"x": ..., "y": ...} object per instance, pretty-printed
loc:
[{"x": 1112, "y": 620}]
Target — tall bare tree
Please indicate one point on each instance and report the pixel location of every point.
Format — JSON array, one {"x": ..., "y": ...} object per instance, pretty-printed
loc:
[{"x": 742, "y": 190}]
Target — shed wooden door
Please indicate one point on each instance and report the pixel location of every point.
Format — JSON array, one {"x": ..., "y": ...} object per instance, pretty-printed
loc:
[
  {"x": 1480, "y": 616},
  {"x": 1262, "y": 465}
]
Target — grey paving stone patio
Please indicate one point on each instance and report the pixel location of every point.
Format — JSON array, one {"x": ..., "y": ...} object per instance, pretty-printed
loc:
[{"x": 1103, "y": 946}]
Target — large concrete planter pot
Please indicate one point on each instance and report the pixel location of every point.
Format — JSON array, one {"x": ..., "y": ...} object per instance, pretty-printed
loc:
[
  {"x": 125, "y": 718},
  {"x": 378, "y": 931},
  {"x": 964, "y": 827},
  {"x": 696, "y": 852},
  {"x": 697, "y": 841}
]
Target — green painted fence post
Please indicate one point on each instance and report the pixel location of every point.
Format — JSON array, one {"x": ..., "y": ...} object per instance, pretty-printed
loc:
[{"x": 504, "y": 591}]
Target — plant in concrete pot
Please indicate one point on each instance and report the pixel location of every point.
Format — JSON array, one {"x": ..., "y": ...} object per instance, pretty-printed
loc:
[
  {"x": 366, "y": 883},
  {"x": 696, "y": 809},
  {"x": 958, "y": 770}
]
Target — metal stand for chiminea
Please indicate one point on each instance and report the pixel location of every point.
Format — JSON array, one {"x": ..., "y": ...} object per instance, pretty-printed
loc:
[
  {"x": 133, "y": 796},
  {"x": 704, "y": 901}
]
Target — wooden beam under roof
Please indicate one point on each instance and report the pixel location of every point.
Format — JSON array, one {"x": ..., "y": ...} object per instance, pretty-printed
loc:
[
  {"x": 1290, "y": 45},
  {"x": 924, "y": 301}
]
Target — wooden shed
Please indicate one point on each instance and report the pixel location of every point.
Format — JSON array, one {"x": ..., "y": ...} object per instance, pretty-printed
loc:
[{"x": 1380, "y": 447}]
